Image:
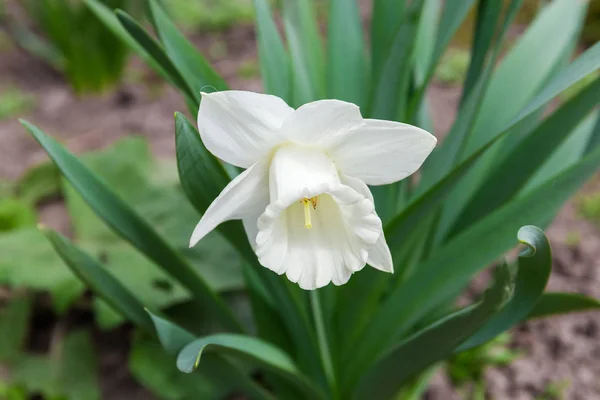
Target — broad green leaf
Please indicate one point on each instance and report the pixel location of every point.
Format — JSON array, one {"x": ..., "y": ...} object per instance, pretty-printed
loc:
[
  {"x": 535, "y": 264},
  {"x": 70, "y": 373},
  {"x": 39, "y": 183},
  {"x": 196, "y": 70},
  {"x": 555, "y": 303},
  {"x": 431, "y": 344},
  {"x": 132, "y": 227},
  {"x": 159, "y": 55},
  {"x": 274, "y": 62},
  {"x": 346, "y": 57},
  {"x": 305, "y": 47},
  {"x": 449, "y": 269},
  {"x": 46, "y": 271},
  {"x": 14, "y": 325},
  {"x": 99, "y": 280},
  {"x": 513, "y": 172},
  {"x": 261, "y": 353},
  {"x": 15, "y": 214}
]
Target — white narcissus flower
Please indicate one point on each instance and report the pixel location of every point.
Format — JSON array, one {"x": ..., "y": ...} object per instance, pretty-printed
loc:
[{"x": 303, "y": 198}]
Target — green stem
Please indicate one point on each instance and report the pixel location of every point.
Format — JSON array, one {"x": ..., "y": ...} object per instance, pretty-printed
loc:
[{"x": 324, "y": 349}]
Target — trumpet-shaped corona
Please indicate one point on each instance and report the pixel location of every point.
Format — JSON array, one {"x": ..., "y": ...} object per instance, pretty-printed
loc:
[{"x": 303, "y": 198}]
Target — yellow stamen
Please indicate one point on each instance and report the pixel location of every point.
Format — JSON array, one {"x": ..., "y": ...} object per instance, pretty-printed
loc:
[{"x": 307, "y": 221}]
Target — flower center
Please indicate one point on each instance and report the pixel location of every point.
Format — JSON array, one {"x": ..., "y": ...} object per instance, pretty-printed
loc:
[{"x": 306, "y": 202}]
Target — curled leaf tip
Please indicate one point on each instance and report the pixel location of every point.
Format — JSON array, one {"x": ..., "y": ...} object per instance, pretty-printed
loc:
[{"x": 530, "y": 236}]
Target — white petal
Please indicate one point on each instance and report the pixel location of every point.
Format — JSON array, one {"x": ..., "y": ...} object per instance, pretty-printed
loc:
[
  {"x": 344, "y": 226},
  {"x": 241, "y": 127},
  {"x": 240, "y": 199},
  {"x": 320, "y": 121},
  {"x": 382, "y": 152},
  {"x": 380, "y": 256}
]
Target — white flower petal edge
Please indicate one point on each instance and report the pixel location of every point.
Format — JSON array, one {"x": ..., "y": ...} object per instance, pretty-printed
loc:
[
  {"x": 321, "y": 120},
  {"x": 382, "y": 152},
  {"x": 380, "y": 256},
  {"x": 241, "y": 127},
  {"x": 245, "y": 193}
]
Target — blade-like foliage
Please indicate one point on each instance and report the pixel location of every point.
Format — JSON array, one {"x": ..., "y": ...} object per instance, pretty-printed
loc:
[
  {"x": 431, "y": 344},
  {"x": 275, "y": 65},
  {"x": 131, "y": 226},
  {"x": 535, "y": 263},
  {"x": 555, "y": 303},
  {"x": 99, "y": 280}
]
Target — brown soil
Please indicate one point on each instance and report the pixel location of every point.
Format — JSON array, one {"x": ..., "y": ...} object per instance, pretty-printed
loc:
[{"x": 564, "y": 349}]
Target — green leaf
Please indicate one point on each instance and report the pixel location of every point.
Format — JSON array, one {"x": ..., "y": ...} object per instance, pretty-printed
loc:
[
  {"x": 172, "y": 337},
  {"x": 153, "y": 48},
  {"x": 520, "y": 76},
  {"x": 46, "y": 271},
  {"x": 425, "y": 42},
  {"x": 39, "y": 183},
  {"x": 306, "y": 51},
  {"x": 78, "y": 369},
  {"x": 15, "y": 214},
  {"x": 259, "y": 352},
  {"x": 555, "y": 303},
  {"x": 156, "y": 371},
  {"x": 387, "y": 18},
  {"x": 132, "y": 227},
  {"x": 439, "y": 278},
  {"x": 431, "y": 344},
  {"x": 391, "y": 87},
  {"x": 111, "y": 22},
  {"x": 99, "y": 280},
  {"x": 274, "y": 62},
  {"x": 195, "y": 69},
  {"x": 535, "y": 264},
  {"x": 14, "y": 325},
  {"x": 572, "y": 149},
  {"x": 346, "y": 57},
  {"x": 488, "y": 15},
  {"x": 514, "y": 171}
]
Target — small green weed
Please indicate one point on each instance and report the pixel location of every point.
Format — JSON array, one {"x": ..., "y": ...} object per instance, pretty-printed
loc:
[{"x": 15, "y": 102}]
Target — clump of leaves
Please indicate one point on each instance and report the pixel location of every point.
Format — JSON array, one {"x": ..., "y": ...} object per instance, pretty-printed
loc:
[
  {"x": 211, "y": 15},
  {"x": 15, "y": 214},
  {"x": 589, "y": 207}
]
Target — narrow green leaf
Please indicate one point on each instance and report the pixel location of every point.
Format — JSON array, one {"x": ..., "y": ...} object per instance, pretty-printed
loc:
[
  {"x": 535, "y": 264},
  {"x": 153, "y": 48},
  {"x": 425, "y": 42},
  {"x": 203, "y": 178},
  {"x": 391, "y": 86},
  {"x": 14, "y": 325},
  {"x": 512, "y": 173},
  {"x": 99, "y": 280},
  {"x": 193, "y": 66},
  {"x": 432, "y": 343},
  {"x": 306, "y": 51},
  {"x": 131, "y": 226},
  {"x": 259, "y": 352},
  {"x": 111, "y": 22},
  {"x": 274, "y": 62},
  {"x": 595, "y": 136},
  {"x": 387, "y": 18},
  {"x": 172, "y": 337},
  {"x": 448, "y": 270},
  {"x": 488, "y": 15},
  {"x": 346, "y": 57},
  {"x": 555, "y": 303}
]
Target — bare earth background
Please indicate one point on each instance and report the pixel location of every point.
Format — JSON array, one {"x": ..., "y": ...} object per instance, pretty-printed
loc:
[{"x": 562, "y": 351}]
